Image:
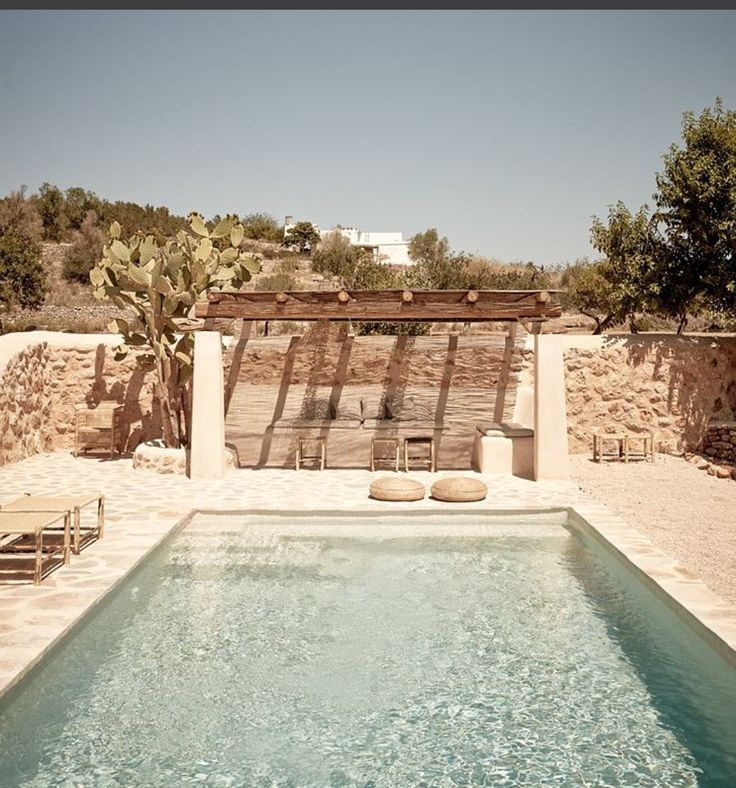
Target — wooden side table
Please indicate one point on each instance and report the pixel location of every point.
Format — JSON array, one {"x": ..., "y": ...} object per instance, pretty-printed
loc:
[
  {"x": 420, "y": 440},
  {"x": 646, "y": 450},
  {"x": 620, "y": 449},
  {"x": 97, "y": 428},
  {"x": 392, "y": 444},
  {"x": 302, "y": 455}
]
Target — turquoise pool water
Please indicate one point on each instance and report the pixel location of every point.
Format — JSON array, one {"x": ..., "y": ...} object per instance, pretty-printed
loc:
[{"x": 254, "y": 654}]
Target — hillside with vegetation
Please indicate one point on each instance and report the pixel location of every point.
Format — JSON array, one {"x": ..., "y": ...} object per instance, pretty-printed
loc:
[{"x": 669, "y": 268}]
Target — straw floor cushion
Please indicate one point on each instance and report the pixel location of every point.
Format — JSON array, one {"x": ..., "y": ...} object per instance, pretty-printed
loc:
[
  {"x": 397, "y": 488},
  {"x": 459, "y": 489}
]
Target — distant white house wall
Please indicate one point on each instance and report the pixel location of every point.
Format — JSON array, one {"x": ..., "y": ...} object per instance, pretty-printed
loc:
[{"x": 390, "y": 246}]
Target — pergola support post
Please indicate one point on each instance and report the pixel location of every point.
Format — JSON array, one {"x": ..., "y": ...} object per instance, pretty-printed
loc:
[
  {"x": 551, "y": 460},
  {"x": 207, "y": 450}
]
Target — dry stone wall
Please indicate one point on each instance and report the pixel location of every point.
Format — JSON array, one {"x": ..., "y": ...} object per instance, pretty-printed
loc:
[
  {"x": 24, "y": 405},
  {"x": 720, "y": 442},
  {"x": 684, "y": 388},
  {"x": 41, "y": 383},
  {"x": 676, "y": 386},
  {"x": 90, "y": 375}
]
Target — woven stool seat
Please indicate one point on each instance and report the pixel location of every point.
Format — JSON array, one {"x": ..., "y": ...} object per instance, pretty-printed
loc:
[
  {"x": 459, "y": 489},
  {"x": 396, "y": 488}
]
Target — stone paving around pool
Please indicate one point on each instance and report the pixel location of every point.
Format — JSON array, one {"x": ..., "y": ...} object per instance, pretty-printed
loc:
[{"x": 142, "y": 507}]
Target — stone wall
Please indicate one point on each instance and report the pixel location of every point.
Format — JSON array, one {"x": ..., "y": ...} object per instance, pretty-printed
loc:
[
  {"x": 43, "y": 375},
  {"x": 720, "y": 442},
  {"x": 24, "y": 405},
  {"x": 77, "y": 375},
  {"x": 676, "y": 386}
]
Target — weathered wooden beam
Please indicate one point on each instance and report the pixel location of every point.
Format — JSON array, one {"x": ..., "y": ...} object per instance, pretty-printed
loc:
[{"x": 383, "y": 305}]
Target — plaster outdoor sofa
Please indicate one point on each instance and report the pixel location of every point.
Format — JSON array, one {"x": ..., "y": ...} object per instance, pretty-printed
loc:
[
  {"x": 265, "y": 435},
  {"x": 348, "y": 427}
]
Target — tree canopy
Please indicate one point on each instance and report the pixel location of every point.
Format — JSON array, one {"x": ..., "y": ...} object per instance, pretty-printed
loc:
[
  {"x": 680, "y": 259},
  {"x": 302, "y": 236}
]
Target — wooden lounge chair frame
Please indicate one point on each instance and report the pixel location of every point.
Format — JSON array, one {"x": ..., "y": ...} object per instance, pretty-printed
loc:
[
  {"x": 72, "y": 504},
  {"x": 17, "y": 527}
]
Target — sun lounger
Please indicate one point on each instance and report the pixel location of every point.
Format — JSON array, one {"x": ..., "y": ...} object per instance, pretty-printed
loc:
[
  {"x": 65, "y": 503},
  {"x": 22, "y": 533}
]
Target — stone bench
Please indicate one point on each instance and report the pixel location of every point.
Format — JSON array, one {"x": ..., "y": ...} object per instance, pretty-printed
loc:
[{"x": 506, "y": 449}]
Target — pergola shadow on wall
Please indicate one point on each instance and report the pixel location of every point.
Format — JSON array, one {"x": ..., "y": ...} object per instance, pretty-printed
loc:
[{"x": 533, "y": 307}]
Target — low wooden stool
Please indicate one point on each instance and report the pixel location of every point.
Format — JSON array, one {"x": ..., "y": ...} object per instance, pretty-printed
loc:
[
  {"x": 620, "y": 451},
  {"x": 646, "y": 452},
  {"x": 420, "y": 440},
  {"x": 392, "y": 444},
  {"x": 321, "y": 454}
]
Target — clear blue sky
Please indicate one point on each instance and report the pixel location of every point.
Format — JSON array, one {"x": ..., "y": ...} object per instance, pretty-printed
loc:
[{"x": 505, "y": 130}]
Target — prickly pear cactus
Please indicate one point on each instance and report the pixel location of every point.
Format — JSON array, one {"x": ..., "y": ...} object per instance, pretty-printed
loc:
[{"x": 159, "y": 279}]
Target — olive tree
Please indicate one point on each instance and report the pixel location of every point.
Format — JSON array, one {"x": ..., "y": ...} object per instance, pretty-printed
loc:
[
  {"x": 696, "y": 214},
  {"x": 625, "y": 240}
]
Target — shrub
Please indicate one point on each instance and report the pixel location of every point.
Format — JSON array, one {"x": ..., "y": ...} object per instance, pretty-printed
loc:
[
  {"x": 21, "y": 273},
  {"x": 85, "y": 251},
  {"x": 20, "y": 216},
  {"x": 262, "y": 227},
  {"x": 279, "y": 280},
  {"x": 50, "y": 204},
  {"x": 336, "y": 256},
  {"x": 78, "y": 202},
  {"x": 372, "y": 274}
]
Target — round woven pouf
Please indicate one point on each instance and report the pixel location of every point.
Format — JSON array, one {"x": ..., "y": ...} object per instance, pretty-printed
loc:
[
  {"x": 459, "y": 489},
  {"x": 396, "y": 488}
]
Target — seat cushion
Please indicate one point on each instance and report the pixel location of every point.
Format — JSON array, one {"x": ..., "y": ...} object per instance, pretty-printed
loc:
[
  {"x": 396, "y": 488},
  {"x": 372, "y": 408},
  {"x": 349, "y": 410},
  {"x": 317, "y": 408},
  {"x": 459, "y": 489},
  {"x": 410, "y": 409},
  {"x": 507, "y": 429}
]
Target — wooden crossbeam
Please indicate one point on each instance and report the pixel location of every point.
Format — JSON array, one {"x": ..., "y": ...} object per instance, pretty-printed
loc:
[{"x": 426, "y": 306}]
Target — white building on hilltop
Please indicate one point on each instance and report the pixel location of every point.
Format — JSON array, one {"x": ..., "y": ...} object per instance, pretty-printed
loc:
[{"x": 391, "y": 246}]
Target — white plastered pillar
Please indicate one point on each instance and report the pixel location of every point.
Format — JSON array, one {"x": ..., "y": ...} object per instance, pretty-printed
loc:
[
  {"x": 551, "y": 459},
  {"x": 207, "y": 450}
]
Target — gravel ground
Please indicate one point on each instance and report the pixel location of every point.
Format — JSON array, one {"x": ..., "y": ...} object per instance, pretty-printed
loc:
[{"x": 685, "y": 512}]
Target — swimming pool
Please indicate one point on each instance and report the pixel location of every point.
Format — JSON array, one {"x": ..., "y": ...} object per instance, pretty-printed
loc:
[{"x": 421, "y": 650}]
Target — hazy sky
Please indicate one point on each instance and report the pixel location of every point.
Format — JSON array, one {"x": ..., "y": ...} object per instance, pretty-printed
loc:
[{"x": 505, "y": 130}]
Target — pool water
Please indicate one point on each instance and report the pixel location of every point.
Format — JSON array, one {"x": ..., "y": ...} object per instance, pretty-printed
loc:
[{"x": 375, "y": 654}]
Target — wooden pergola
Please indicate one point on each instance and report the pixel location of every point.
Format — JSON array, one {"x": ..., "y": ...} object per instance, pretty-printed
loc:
[
  {"x": 207, "y": 452},
  {"x": 425, "y": 306}
]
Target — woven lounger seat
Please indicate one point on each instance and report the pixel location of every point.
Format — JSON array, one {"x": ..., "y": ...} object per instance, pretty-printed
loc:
[
  {"x": 83, "y": 535},
  {"x": 22, "y": 533}
]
